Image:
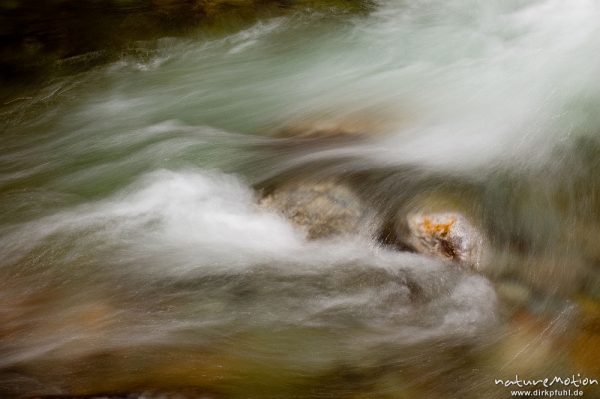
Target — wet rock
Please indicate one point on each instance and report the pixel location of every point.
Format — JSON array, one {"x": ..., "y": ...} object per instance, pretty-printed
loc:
[
  {"x": 321, "y": 208},
  {"x": 445, "y": 235}
]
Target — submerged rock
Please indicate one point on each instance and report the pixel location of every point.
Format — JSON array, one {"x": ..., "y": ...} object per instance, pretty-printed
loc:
[
  {"x": 322, "y": 208},
  {"x": 444, "y": 235}
]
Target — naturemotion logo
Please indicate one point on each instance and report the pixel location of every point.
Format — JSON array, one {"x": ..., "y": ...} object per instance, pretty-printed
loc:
[
  {"x": 547, "y": 387},
  {"x": 576, "y": 382}
]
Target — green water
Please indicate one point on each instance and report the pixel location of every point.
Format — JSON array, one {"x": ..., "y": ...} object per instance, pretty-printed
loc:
[{"x": 135, "y": 257}]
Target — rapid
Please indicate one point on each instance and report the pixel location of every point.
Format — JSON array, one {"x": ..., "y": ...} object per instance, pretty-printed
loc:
[{"x": 134, "y": 256}]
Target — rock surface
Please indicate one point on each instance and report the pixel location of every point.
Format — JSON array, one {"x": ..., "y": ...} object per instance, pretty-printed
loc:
[
  {"x": 445, "y": 235},
  {"x": 322, "y": 208}
]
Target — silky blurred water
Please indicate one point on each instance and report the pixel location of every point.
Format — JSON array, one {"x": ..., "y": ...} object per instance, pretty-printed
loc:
[{"x": 135, "y": 256}]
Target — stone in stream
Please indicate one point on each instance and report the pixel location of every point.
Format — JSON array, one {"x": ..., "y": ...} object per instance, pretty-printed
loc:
[
  {"x": 322, "y": 208},
  {"x": 329, "y": 208},
  {"x": 444, "y": 235}
]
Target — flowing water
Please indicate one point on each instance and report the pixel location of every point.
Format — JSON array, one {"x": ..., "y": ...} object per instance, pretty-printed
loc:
[{"x": 134, "y": 256}]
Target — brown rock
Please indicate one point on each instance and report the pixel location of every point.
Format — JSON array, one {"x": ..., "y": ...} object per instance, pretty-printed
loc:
[
  {"x": 322, "y": 208},
  {"x": 444, "y": 235}
]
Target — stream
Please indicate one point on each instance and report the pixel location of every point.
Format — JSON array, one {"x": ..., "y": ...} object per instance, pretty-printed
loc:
[{"x": 135, "y": 258}]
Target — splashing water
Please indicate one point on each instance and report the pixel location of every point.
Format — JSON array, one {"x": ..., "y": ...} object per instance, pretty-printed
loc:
[{"x": 135, "y": 255}]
